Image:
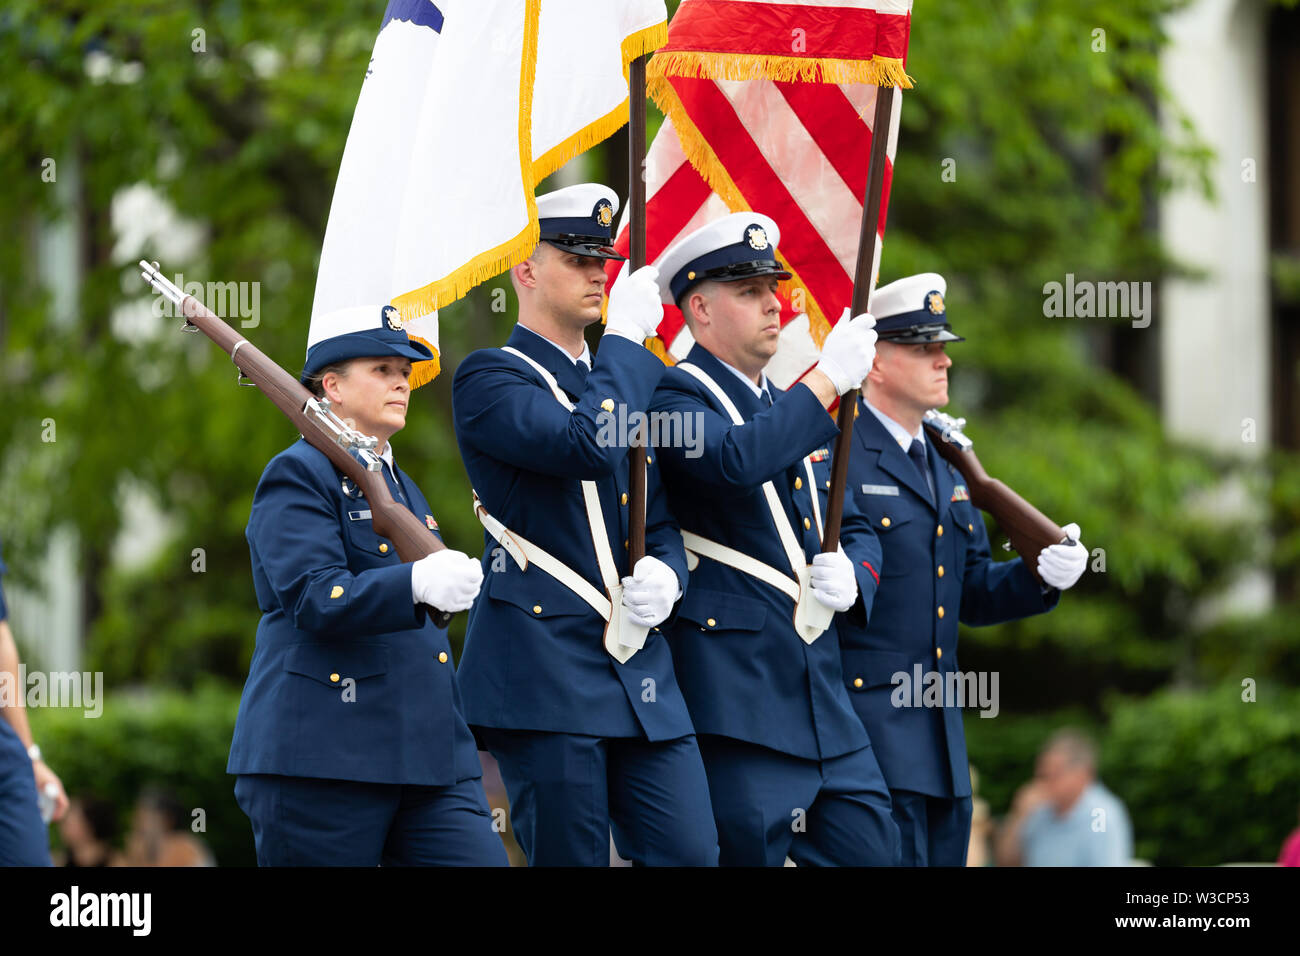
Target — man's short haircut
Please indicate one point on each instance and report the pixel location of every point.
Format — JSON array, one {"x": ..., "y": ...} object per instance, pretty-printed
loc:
[
  {"x": 683, "y": 300},
  {"x": 1075, "y": 746}
]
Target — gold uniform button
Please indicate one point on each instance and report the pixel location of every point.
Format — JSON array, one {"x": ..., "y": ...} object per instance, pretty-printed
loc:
[
  {"x": 939, "y": 532},
  {"x": 537, "y": 609},
  {"x": 691, "y": 274},
  {"x": 857, "y": 682},
  {"x": 607, "y": 404},
  {"x": 807, "y": 524},
  {"x": 798, "y": 483},
  {"x": 624, "y": 498},
  {"x": 938, "y": 652},
  {"x": 649, "y": 460},
  {"x": 828, "y": 484},
  {"x": 941, "y": 570},
  {"x": 711, "y": 622},
  {"x": 336, "y": 592},
  {"x": 941, "y": 610},
  {"x": 383, "y": 549},
  {"x": 334, "y": 678},
  {"x": 970, "y": 527},
  {"x": 884, "y": 522},
  {"x": 442, "y": 657}
]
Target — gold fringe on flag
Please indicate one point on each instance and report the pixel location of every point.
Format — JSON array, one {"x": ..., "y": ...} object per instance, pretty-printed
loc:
[
  {"x": 634, "y": 45},
  {"x": 424, "y": 372},
  {"x": 656, "y": 345},
  {"x": 878, "y": 71}
]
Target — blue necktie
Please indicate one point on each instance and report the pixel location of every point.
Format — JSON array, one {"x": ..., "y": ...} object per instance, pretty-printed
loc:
[
  {"x": 394, "y": 485},
  {"x": 916, "y": 452}
]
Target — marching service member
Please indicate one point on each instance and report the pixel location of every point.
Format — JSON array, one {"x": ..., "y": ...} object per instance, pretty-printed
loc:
[
  {"x": 351, "y": 745},
  {"x": 567, "y": 680},
  {"x": 24, "y": 839},
  {"x": 791, "y": 770},
  {"x": 937, "y": 571}
]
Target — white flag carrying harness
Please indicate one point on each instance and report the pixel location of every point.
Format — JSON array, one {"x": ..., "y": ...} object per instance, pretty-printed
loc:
[
  {"x": 623, "y": 638},
  {"x": 811, "y": 616}
]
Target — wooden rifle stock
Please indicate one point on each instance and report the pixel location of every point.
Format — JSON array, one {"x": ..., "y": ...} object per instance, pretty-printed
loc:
[
  {"x": 349, "y": 451},
  {"x": 1029, "y": 530}
]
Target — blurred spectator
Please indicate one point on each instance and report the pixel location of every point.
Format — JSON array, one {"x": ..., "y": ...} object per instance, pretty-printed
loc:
[
  {"x": 158, "y": 836},
  {"x": 1290, "y": 855},
  {"x": 1065, "y": 816},
  {"x": 89, "y": 830},
  {"x": 978, "y": 852},
  {"x": 25, "y": 780}
]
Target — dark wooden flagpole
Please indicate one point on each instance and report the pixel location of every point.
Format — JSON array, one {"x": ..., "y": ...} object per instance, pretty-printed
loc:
[
  {"x": 636, "y": 259},
  {"x": 863, "y": 283}
]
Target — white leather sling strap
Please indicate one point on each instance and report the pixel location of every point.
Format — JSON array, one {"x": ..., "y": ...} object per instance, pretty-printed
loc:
[
  {"x": 811, "y": 617},
  {"x": 623, "y": 639}
]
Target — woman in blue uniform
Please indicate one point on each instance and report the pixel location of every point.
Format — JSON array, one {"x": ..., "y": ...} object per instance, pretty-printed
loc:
[{"x": 350, "y": 746}]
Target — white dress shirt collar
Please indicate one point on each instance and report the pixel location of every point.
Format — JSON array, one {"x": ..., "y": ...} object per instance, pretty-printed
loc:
[
  {"x": 584, "y": 358},
  {"x": 759, "y": 389},
  {"x": 896, "y": 431}
]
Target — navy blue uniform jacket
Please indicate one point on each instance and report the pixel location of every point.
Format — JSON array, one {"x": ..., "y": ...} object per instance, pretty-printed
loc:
[
  {"x": 534, "y": 652},
  {"x": 936, "y": 570},
  {"x": 336, "y": 605},
  {"x": 744, "y": 669}
]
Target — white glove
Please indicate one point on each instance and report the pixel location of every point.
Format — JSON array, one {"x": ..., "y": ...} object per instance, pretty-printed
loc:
[
  {"x": 833, "y": 581},
  {"x": 635, "y": 309},
  {"x": 1061, "y": 565},
  {"x": 650, "y": 592},
  {"x": 448, "y": 580},
  {"x": 849, "y": 351}
]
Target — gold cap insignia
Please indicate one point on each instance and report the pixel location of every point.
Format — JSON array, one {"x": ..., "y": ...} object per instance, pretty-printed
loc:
[
  {"x": 393, "y": 318},
  {"x": 757, "y": 236},
  {"x": 605, "y": 214},
  {"x": 935, "y": 302}
]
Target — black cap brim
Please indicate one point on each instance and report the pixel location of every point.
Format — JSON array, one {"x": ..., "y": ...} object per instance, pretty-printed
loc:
[
  {"x": 920, "y": 336},
  {"x": 595, "y": 250}
]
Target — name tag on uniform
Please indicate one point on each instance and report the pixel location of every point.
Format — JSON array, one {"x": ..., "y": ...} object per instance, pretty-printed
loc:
[
  {"x": 359, "y": 515},
  {"x": 880, "y": 490}
]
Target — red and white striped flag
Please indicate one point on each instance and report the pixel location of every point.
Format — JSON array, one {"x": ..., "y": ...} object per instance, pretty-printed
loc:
[{"x": 769, "y": 107}]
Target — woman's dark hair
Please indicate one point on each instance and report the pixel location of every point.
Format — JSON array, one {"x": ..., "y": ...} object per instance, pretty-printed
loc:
[{"x": 315, "y": 384}]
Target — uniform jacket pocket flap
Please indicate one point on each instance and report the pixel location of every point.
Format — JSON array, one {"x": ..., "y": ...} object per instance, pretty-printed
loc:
[
  {"x": 362, "y": 536},
  {"x": 331, "y": 664},
  {"x": 886, "y": 519},
  {"x": 873, "y": 668},
  {"x": 719, "y": 611},
  {"x": 536, "y": 592}
]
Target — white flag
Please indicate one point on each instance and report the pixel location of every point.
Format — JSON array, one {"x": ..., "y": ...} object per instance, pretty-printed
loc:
[{"x": 466, "y": 105}]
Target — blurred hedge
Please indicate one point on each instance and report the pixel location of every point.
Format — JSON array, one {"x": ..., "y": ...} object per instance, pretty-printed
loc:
[
  {"x": 1207, "y": 777},
  {"x": 175, "y": 741}
]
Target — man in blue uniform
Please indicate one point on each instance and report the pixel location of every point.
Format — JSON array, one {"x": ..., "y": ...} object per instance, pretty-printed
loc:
[
  {"x": 24, "y": 841},
  {"x": 790, "y": 768},
  {"x": 350, "y": 744},
  {"x": 567, "y": 680},
  {"x": 936, "y": 570}
]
